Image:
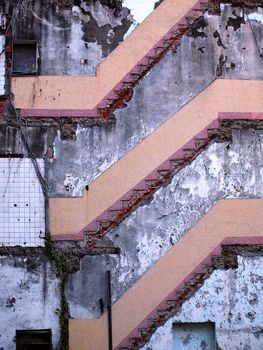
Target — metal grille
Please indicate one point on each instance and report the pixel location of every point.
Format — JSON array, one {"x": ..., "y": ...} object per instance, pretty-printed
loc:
[{"x": 22, "y": 208}]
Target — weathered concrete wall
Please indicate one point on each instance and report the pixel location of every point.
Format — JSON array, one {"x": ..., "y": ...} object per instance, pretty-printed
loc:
[
  {"x": 29, "y": 297},
  {"x": 70, "y": 31},
  {"x": 85, "y": 289},
  {"x": 11, "y": 142},
  {"x": 224, "y": 170},
  {"x": 200, "y": 58},
  {"x": 239, "y": 43},
  {"x": 231, "y": 299},
  {"x": 154, "y": 99}
]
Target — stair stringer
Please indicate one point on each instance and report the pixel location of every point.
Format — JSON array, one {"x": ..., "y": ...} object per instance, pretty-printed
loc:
[
  {"x": 174, "y": 278},
  {"x": 170, "y": 305},
  {"x": 162, "y": 153},
  {"x": 116, "y": 75}
]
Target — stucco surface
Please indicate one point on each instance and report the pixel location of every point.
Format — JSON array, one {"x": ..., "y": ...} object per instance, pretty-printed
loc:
[
  {"x": 67, "y": 215},
  {"x": 29, "y": 298},
  {"x": 154, "y": 99},
  {"x": 171, "y": 84},
  {"x": 227, "y": 218},
  {"x": 224, "y": 170},
  {"x": 68, "y": 32},
  {"x": 56, "y": 92},
  {"x": 231, "y": 299},
  {"x": 222, "y": 47}
]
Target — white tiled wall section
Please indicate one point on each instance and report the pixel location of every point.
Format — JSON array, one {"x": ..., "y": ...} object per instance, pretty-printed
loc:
[
  {"x": 2, "y": 65},
  {"x": 22, "y": 208}
]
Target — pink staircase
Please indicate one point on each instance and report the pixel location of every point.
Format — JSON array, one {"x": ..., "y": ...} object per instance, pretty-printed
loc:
[
  {"x": 112, "y": 216},
  {"x": 122, "y": 92}
]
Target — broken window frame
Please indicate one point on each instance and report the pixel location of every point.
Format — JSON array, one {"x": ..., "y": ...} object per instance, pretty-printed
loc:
[{"x": 25, "y": 43}]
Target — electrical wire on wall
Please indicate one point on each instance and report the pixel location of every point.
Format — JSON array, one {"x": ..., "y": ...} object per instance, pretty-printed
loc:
[
  {"x": 21, "y": 121},
  {"x": 23, "y": 127},
  {"x": 26, "y": 142},
  {"x": 13, "y": 17}
]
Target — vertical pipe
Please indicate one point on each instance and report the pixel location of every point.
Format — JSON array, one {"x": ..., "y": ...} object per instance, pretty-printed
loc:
[{"x": 108, "y": 274}]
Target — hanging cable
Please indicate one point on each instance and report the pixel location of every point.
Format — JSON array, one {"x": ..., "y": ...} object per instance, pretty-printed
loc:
[
  {"x": 25, "y": 139},
  {"x": 13, "y": 16},
  {"x": 20, "y": 121}
]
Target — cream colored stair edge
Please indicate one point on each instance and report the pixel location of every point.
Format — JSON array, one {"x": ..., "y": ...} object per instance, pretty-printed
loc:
[
  {"x": 228, "y": 218},
  {"x": 70, "y": 215},
  {"x": 64, "y": 92}
]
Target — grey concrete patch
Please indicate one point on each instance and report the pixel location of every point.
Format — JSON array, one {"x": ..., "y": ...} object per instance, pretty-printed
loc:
[{"x": 93, "y": 285}]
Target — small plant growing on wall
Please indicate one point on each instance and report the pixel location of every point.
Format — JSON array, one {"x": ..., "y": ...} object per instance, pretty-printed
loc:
[{"x": 60, "y": 267}]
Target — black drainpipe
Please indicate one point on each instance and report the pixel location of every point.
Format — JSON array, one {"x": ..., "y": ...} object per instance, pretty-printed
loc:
[{"x": 108, "y": 274}]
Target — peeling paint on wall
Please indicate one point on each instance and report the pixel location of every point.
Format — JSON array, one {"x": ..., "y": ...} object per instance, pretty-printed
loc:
[
  {"x": 88, "y": 31},
  {"x": 85, "y": 32},
  {"x": 29, "y": 297},
  {"x": 224, "y": 170},
  {"x": 167, "y": 87},
  {"x": 103, "y": 25},
  {"x": 232, "y": 299}
]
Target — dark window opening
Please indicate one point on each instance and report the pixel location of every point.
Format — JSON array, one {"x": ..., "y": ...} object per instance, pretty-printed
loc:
[
  {"x": 39, "y": 339},
  {"x": 25, "y": 57}
]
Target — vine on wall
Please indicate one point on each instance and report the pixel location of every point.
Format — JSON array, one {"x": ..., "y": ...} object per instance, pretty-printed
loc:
[{"x": 61, "y": 269}]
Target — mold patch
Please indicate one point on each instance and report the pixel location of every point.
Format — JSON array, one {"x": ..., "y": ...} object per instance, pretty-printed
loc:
[{"x": 236, "y": 21}]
